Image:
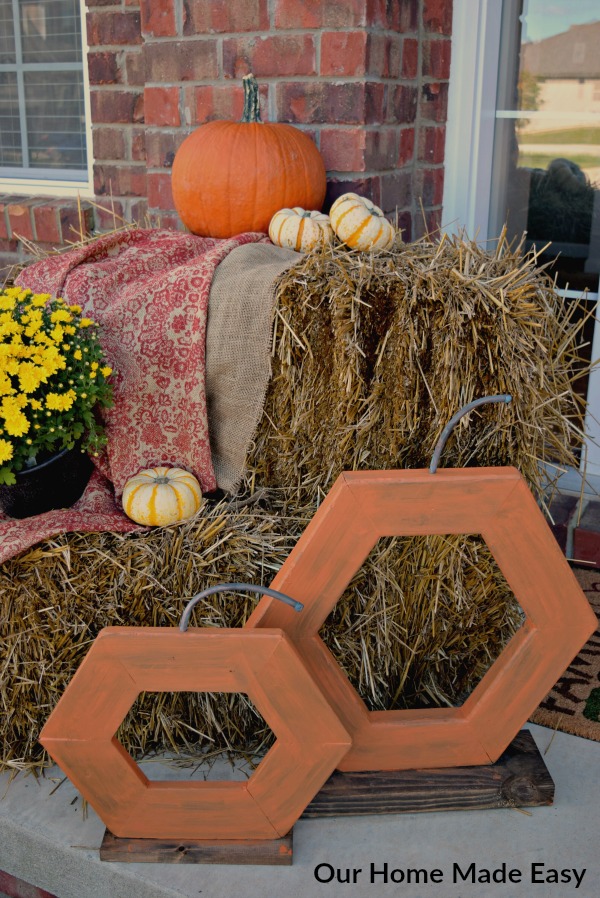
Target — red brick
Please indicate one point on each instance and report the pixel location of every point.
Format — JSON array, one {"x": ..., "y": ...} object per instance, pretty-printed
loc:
[
  {"x": 404, "y": 224},
  {"x": 402, "y": 105},
  {"x": 307, "y": 102},
  {"x": 120, "y": 180},
  {"x": 5, "y": 201},
  {"x": 139, "y": 212},
  {"x": 109, "y": 214},
  {"x": 434, "y": 102},
  {"x": 138, "y": 144},
  {"x": 436, "y": 58},
  {"x": 233, "y": 16},
  {"x": 76, "y": 221},
  {"x": 279, "y": 54},
  {"x": 181, "y": 60},
  {"x": 430, "y": 186},
  {"x": 383, "y": 14},
  {"x": 320, "y": 13},
  {"x": 383, "y": 55},
  {"x": 432, "y": 143},
  {"x": 17, "y": 887},
  {"x": 381, "y": 151},
  {"x": 437, "y": 16},
  {"x": 117, "y": 106},
  {"x": 375, "y": 102},
  {"x": 407, "y": 146},
  {"x": 158, "y": 18},
  {"x": 161, "y": 105},
  {"x": 107, "y": 28},
  {"x": 160, "y": 195},
  {"x": 20, "y": 219},
  {"x": 343, "y": 53},
  {"x": 109, "y": 143},
  {"x": 161, "y": 147},
  {"x": 408, "y": 16},
  {"x": 369, "y": 187},
  {"x": 47, "y": 223},
  {"x": 410, "y": 57},
  {"x": 205, "y": 103},
  {"x": 343, "y": 149},
  {"x": 103, "y": 68},
  {"x": 134, "y": 65},
  {"x": 396, "y": 191}
]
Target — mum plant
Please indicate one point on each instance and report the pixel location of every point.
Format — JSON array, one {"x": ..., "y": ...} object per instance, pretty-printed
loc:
[{"x": 53, "y": 379}]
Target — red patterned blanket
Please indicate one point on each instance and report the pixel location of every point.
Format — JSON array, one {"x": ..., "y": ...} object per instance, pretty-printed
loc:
[{"x": 148, "y": 290}]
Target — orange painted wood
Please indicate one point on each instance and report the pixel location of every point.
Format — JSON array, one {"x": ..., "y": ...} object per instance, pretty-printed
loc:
[
  {"x": 264, "y": 664},
  {"x": 494, "y": 502}
]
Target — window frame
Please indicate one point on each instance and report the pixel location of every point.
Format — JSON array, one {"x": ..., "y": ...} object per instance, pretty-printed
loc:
[
  {"x": 81, "y": 183},
  {"x": 466, "y": 205}
]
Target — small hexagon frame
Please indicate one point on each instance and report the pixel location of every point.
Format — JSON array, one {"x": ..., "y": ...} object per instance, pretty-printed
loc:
[
  {"x": 124, "y": 661},
  {"x": 360, "y": 508}
]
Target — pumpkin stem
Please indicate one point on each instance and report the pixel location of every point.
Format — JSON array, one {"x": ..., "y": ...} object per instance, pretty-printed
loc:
[{"x": 251, "y": 99}]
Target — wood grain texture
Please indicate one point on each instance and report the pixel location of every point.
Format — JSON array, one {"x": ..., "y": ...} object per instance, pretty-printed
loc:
[
  {"x": 518, "y": 779},
  {"x": 275, "y": 852}
]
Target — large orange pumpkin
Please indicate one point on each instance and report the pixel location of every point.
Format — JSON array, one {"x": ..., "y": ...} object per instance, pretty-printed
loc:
[{"x": 231, "y": 177}]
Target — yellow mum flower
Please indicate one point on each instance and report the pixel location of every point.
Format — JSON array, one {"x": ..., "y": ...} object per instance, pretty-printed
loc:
[
  {"x": 76, "y": 309},
  {"x": 61, "y": 402},
  {"x": 85, "y": 322},
  {"x": 6, "y": 387},
  {"x": 12, "y": 366},
  {"x": 35, "y": 404},
  {"x": 57, "y": 333},
  {"x": 40, "y": 299},
  {"x": 6, "y": 450},
  {"x": 7, "y": 303},
  {"x": 94, "y": 366},
  {"x": 15, "y": 422},
  {"x": 106, "y": 372},
  {"x": 60, "y": 315},
  {"x": 30, "y": 377},
  {"x": 78, "y": 355}
]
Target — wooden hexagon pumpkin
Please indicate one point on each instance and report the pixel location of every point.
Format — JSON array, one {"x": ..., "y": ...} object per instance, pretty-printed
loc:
[
  {"x": 124, "y": 661},
  {"x": 494, "y": 502}
]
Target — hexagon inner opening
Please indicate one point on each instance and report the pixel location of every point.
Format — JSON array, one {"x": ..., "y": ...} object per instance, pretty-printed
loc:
[
  {"x": 422, "y": 621},
  {"x": 200, "y": 730}
]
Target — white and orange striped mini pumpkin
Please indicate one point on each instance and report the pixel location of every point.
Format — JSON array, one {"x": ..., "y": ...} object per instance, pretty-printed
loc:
[
  {"x": 299, "y": 229},
  {"x": 159, "y": 496},
  {"x": 360, "y": 224}
]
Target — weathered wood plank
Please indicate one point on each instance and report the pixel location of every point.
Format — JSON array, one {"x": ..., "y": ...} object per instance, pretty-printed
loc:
[
  {"x": 276, "y": 852},
  {"x": 519, "y": 778}
]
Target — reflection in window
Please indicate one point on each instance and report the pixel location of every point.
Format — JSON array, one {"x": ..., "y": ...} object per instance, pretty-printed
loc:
[{"x": 546, "y": 169}]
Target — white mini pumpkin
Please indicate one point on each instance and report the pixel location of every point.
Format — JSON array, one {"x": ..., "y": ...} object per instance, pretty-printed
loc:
[
  {"x": 360, "y": 224},
  {"x": 159, "y": 496},
  {"x": 299, "y": 229}
]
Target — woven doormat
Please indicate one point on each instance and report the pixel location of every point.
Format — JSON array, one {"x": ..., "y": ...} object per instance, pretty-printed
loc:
[{"x": 573, "y": 705}]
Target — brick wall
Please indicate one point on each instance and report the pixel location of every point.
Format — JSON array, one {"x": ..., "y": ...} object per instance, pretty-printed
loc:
[{"x": 367, "y": 79}]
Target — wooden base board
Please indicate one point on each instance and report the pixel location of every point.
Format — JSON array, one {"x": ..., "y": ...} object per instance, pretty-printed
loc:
[
  {"x": 275, "y": 853},
  {"x": 519, "y": 778}
]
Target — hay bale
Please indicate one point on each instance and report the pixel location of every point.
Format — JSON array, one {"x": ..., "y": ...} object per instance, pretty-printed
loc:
[{"x": 372, "y": 356}]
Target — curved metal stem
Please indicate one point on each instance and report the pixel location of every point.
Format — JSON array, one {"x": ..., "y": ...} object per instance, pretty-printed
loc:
[
  {"x": 235, "y": 587},
  {"x": 439, "y": 446}
]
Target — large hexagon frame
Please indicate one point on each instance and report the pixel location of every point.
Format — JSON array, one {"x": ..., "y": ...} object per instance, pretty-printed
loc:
[
  {"x": 124, "y": 661},
  {"x": 494, "y": 502}
]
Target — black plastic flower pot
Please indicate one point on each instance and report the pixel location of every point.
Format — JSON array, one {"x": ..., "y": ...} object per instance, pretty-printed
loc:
[{"x": 57, "y": 482}]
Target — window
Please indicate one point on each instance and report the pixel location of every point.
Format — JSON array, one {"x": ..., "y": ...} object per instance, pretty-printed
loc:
[
  {"x": 523, "y": 145},
  {"x": 43, "y": 96}
]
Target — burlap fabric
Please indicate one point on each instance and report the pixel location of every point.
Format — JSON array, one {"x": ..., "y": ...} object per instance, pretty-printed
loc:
[
  {"x": 238, "y": 358},
  {"x": 149, "y": 290}
]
